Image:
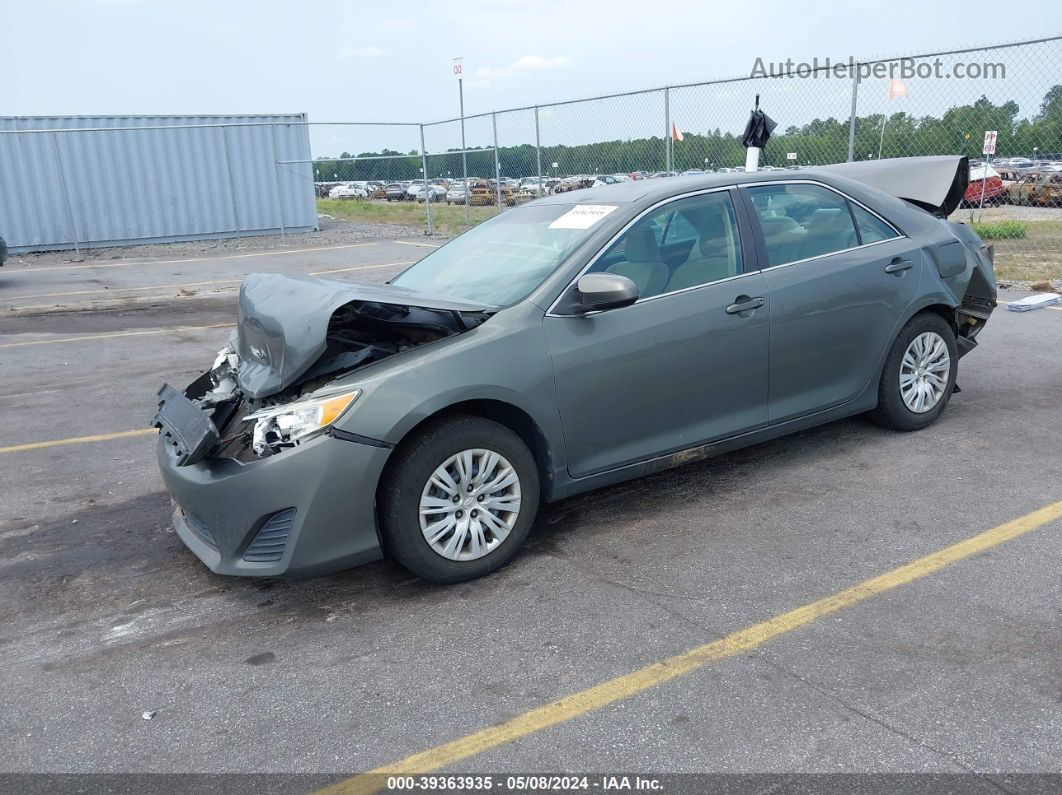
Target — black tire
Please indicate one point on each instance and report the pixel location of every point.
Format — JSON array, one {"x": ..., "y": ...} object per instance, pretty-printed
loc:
[
  {"x": 412, "y": 464},
  {"x": 891, "y": 411}
]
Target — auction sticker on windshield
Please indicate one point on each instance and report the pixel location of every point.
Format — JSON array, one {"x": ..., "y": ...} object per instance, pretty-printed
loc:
[{"x": 582, "y": 216}]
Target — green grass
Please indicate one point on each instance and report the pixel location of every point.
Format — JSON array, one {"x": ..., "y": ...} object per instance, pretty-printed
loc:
[
  {"x": 447, "y": 219},
  {"x": 1035, "y": 257},
  {"x": 1001, "y": 230}
]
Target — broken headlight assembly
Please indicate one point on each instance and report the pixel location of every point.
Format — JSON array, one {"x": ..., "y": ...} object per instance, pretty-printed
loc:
[{"x": 282, "y": 426}]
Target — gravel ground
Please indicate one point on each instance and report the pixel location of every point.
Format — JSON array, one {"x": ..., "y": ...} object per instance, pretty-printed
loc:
[{"x": 333, "y": 232}]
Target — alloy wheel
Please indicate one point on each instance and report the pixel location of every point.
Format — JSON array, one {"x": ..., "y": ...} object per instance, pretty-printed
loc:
[
  {"x": 924, "y": 372},
  {"x": 470, "y": 504}
]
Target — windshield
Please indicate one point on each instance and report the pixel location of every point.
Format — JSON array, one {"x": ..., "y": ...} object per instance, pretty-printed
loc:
[{"x": 503, "y": 259}]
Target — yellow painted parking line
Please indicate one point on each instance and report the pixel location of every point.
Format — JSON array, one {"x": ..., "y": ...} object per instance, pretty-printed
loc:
[
  {"x": 628, "y": 685},
  {"x": 190, "y": 259},
  {"x": 183, "y": 285},
  {"x": 90, "y": 337},
  {"x": 409, "y": 243},
  {"x": 100, "y": 437}
]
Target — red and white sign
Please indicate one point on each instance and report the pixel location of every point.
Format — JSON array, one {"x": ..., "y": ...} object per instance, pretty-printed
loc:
[
  {"x": 990, "y": 143},
  {"x": 458, "y": 68}
]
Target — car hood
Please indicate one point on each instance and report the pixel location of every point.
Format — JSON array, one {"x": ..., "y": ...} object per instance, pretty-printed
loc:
[
  {"x": 283, "y": 322},
  {"x": 936, "y": 184}
]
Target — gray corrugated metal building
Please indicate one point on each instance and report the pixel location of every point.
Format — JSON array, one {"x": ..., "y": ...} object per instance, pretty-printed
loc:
[{"x": 86, "y": 181}]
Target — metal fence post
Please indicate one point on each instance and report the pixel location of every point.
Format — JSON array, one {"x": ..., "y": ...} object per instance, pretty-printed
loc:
[
  {"x": 66, "y": 196},
  {"x": 852, "y": 115},
  {"x": 276, "y": 179},
  {"x": 497, "y": 163},
  {"x": 232, "y": 181},
  {"x": 464, "y": 153},
  {"x": 539, "y": 188},
  {"x": 424, "y": 168},
  {"x": 667, "y": 130}
]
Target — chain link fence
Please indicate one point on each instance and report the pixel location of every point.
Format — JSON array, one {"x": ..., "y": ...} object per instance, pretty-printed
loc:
[{"x": 827, "y": 112}]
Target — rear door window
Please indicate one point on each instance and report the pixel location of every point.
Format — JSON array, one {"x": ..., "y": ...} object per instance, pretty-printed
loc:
[
  {"x": 871, "y": 228},
  {"x": 803, "y": 221}
]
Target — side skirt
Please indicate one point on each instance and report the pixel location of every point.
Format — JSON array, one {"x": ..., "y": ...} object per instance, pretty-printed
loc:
[{"x": 572, "y": 486}]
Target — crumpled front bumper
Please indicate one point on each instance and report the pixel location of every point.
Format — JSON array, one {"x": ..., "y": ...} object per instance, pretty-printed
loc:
[{"x": 222, "y": 507}]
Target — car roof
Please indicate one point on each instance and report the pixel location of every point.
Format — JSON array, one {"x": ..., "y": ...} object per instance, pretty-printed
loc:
[
  {"x": 930, "y": 182},
  {"x": 657, "y": 189}
]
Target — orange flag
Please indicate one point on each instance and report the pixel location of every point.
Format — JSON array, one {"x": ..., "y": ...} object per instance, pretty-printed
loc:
[
  {"x": 676, "y": 134},
  {"x": 897, "y": 89}
]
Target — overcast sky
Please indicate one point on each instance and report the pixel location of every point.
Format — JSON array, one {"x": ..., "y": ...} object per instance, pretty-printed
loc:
[{"x": 390, "y": 61}]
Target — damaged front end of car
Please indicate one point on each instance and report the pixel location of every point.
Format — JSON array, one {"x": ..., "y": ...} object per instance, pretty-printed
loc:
[{"x": 274, "y": 385}]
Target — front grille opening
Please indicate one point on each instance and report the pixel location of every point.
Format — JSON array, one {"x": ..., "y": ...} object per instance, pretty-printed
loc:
[{"x": 268, "y": 546}]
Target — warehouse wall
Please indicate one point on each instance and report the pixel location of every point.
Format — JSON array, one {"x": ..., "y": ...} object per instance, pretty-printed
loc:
[{"x": 84, "y": 181}]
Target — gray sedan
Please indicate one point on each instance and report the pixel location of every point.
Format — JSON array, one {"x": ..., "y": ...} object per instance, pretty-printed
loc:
[{"x": 574, "y": 342}]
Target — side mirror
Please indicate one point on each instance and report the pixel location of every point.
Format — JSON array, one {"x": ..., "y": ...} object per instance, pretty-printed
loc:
[{"x": 601, "y": 291}]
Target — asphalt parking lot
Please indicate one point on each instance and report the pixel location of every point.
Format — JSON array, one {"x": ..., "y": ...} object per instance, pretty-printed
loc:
[{"x": 106, "y": 616}]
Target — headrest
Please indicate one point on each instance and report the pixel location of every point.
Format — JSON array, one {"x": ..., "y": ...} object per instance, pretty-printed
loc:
[
  {"x": 830, "y": 218},
  {"x": 641, "y": 245},
  {"x": 777, "y": 224}
]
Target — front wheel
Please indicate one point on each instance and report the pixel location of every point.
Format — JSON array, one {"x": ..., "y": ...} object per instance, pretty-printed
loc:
[
  {"x": 458, "y": 500},
  {"x": 919, "y": 375}
]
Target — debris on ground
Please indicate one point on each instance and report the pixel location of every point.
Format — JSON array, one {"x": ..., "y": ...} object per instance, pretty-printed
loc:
[{"x": 1038, "y": 301}]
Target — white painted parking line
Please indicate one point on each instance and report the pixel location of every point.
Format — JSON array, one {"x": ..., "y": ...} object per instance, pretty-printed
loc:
[
  {"x": 410, "y": 243},
  {"x": 184, "y": 285},
  {"x": 90, "y": 337},
  {"x": 182, "y": 261}
]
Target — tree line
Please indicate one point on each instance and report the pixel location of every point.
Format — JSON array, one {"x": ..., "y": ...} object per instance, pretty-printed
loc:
[{"x": 959, "y": 131}]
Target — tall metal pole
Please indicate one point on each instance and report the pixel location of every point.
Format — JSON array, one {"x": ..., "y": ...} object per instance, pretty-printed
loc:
[
  {"x": 667, "y": 130},
  {"x": 497, "y": 163},
  {"x": 539, "y": 188},
  {"x": 66, "y": 197},
  {"x": 464, "y": 154},
  {"x": 852, "y": 115},
  {"x": 424, "y": 168}
]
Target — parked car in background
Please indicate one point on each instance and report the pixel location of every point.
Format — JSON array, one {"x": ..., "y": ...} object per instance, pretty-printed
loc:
[
  {"x": 456, "y": 193},
  {"x": 348, "y": 191},
  {"x": 986, "y": 186},
  {"x": 435, "y": 193},
  {"x": 396, "y": 191},
  {"x": 571, "y": 343},
  {"x": 1037, "y": 188}
]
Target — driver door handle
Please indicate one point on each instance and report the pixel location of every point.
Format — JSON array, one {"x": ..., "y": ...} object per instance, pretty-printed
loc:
[
  {"x": 745, "y": 306},
  {"x": 898, "y": 265}
]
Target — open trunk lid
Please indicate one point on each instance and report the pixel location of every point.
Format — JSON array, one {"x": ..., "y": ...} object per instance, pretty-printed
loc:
[{"x": 936, "y": 184}]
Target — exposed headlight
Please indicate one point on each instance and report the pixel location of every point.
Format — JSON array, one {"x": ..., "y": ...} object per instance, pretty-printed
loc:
[{"x": 283, "y": 426}]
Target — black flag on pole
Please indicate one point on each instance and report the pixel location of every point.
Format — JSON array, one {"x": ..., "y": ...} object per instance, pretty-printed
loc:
[{"x": 758, "y": 130}]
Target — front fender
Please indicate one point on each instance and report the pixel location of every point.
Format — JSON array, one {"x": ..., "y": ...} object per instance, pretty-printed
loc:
[{"x": 506, "y": 360}]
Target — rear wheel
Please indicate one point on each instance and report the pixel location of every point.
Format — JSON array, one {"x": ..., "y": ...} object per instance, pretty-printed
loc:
[
  {"x": 919, "y": 375},
  {"x": 458, "y": 500}
]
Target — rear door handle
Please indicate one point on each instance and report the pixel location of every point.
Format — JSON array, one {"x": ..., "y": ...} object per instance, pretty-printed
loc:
[
  {"x": 898, "y": 265},
  {"x": 745, "y": 306}
]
